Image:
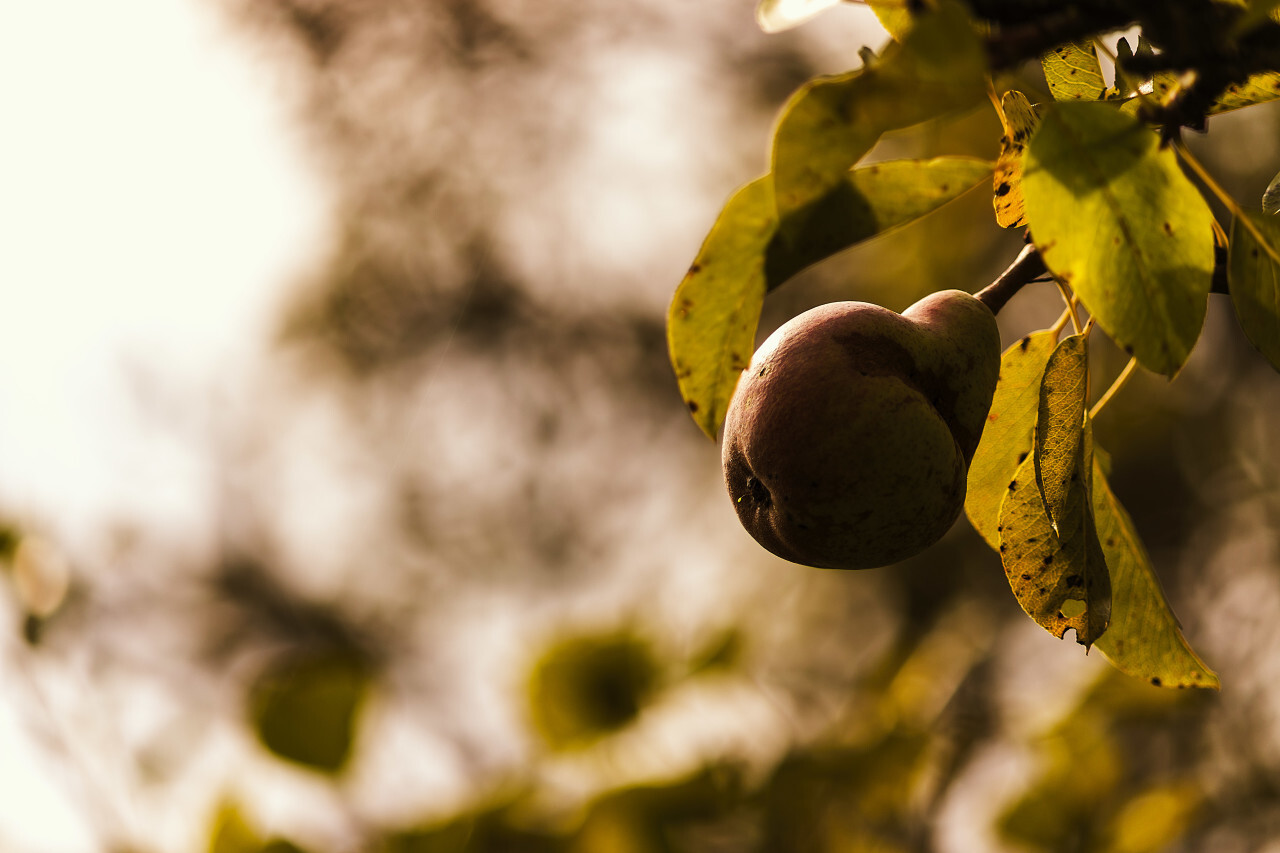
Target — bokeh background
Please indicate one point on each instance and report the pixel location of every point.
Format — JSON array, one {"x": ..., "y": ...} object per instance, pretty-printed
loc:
[{"x": 347, "y": 501}]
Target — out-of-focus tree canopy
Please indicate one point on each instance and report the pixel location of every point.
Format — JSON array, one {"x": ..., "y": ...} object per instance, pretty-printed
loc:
[{"x": 438, "y": 562}]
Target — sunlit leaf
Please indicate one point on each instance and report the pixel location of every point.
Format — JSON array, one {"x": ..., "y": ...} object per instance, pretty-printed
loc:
[
  {"x": 831, "y": 122},
  {"x": 900, "y": 191},
  {"x": 893, "y": 15},
  {"x": 1116, "y": 219},
  {"x": 1144, "y": 639},
  {"x": 1054, "y": 563},
  {"x": 1257, "y": 89},
  {"x": 775, "y": 16},
  {"x": 1254, "y": 276},
  {"x": 1007, "y": 436},
  {"x": 304, "y": 708},
  {"x": 1059, "y": 435},
  {"x": 1073, "y": 73},
  {"x": 1271, "y": 198},
  {"x": 1018, "y": 118},
  {"x": 712, "y": 322},
  {"x": 1142, "y": 89},
  {"x": 588, "y": 687}
]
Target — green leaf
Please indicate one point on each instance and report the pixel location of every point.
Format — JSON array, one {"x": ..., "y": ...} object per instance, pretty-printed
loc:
[
  {"x": 1073, "y": 72},
  {"x": 1018, "y": 119},
  {"x": 1144, "y": 639},
  {"x": 831, "y": 122},
  {"x": 712, "y": 322},
  {"x": 900, "y": 191},
  {"x": 1271, "y": 198},
  {"x": 893, "y": 15},
  {"x": 1045, "y": 573},
  {"x": 1007, "y": 437},
  {"x": 1257, "y": 89},
  {"x": 1048, "y": 543},
  {"x": 304, "y": 708},
  {"x": 1254, "y": 277},
  {"x": 713, "y": 317},
  {"x": 1116, "y": 219},
  {"x": 775, "y": 16},
  {"x": 1059, "y": 444},
  {"x": 879, "y": 197}
]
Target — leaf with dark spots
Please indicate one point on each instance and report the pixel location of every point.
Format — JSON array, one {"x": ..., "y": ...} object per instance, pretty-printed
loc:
[
  {"x": 1018, "y": 118},
  {"x": 1052, "y": 530},
  {"x": 1074, "y": 73},
  {"x": 1059, "y": 431},
  {"x": 716, "y": 309},
  {"x": 1030, "y": 546},
  {"x": 1092, "y": 174},
  {"x": 1144, "y": 639},
  {"x": 1007, "y": 438}
]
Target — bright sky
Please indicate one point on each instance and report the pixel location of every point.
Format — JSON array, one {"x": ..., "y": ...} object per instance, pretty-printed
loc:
[{"x": 153, "y": 209}]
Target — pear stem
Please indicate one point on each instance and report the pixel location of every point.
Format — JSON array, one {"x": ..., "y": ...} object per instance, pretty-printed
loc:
[{"x": 1026, "y": 267}]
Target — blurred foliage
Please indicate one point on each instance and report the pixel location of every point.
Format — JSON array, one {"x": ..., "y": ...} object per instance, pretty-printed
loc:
[
  {"x": 587, "y": 687},
  {"x": 304, "y": 707},
  {"x": 1091, "y": 795},
  {"x": 846, "y": 798},
  {"x": 9, "y": 539},
  {"x": 232, "y": 833},
  {"x": 485, "y": 832}
]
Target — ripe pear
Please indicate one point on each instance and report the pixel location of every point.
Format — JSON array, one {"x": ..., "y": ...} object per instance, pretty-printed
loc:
[{"x": 848, "y": 439}]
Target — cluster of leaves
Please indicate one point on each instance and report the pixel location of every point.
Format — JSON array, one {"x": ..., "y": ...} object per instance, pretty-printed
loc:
[
  {"x": 1096, "y": 176},
  {"x": 872, "y": 781}
]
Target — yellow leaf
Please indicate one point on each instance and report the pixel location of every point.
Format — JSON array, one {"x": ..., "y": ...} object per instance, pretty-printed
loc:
[
  {"x": 830, "y": 123},
  {"x": 1007, "y": 436},
  {"x": 1144, "y": 639},
  {"x": 1048, "y": 543},
  {"x": 1060, "y": 448},
  {"x": 1114, "y": 217},
  {"x": 1018, "y": 118},
  {"x": 1073, "y": 73},
  {"x": 1254, "y": 273}
]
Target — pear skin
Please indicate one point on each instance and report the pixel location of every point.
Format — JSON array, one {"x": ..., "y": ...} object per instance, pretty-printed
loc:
[{"x": 848, "y": 438}]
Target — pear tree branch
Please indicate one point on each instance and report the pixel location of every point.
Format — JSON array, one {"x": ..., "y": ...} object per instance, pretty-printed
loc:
[{"x": 1025, "y": 268}]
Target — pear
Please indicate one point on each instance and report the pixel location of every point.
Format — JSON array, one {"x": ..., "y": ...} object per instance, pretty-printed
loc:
[{"x": 848, "y": 438}]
